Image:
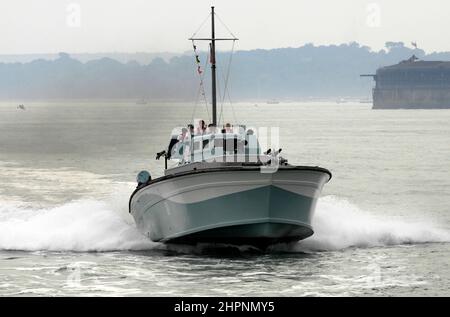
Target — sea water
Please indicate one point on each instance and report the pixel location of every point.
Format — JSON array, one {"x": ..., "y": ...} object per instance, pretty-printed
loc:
[{"x": 67, "y": 169}]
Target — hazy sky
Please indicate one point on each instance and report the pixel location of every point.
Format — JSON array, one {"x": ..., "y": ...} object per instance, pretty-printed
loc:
[{"x": 50, "y": 26}]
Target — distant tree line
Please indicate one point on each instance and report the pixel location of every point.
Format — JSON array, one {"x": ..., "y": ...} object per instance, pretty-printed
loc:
[{"x": 287, "y": 73}]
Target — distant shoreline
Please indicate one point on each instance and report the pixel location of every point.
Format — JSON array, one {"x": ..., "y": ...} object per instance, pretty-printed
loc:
[
  {"x": 308, "y": 73},
  {"x": 134, "y": 101}
]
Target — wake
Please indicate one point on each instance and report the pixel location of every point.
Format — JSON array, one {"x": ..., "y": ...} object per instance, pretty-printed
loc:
[
  {"x": 84, "y": 225},
  {"x": 93, "y": 225},
  {"x": 338, "y": 224}
]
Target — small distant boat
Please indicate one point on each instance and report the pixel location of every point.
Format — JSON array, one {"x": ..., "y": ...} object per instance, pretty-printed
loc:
[
  {"x": 142, "y": 101},
  {"x": 21, "y": 107},
  {"x": 273, "y": 102}
]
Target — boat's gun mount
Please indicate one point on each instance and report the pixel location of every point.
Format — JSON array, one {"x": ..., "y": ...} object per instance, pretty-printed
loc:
[
  {"x": 162, "y": 153},
  {"x": 275, "y": 158}
]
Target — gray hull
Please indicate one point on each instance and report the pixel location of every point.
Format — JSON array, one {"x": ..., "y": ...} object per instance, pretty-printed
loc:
[{"x": 236, "y": 206}]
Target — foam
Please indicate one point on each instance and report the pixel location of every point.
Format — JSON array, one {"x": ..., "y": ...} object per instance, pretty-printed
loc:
[
  {"x": 82, "y": 225},
  {"x": 94, "y": 225},
  {"x": 339, "y": 224}
]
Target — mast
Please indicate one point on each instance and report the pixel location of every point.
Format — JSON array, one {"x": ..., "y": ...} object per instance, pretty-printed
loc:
[
  {"x": 212, "y": 53},
  {"x": 213, "y": 70}
]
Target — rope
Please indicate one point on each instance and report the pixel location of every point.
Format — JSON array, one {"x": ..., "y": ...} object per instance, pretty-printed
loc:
[
  {"x": 223, "y": 23},
  {"x": 221, "y": 100},
  {"x": 203, "y": 88},
  {"x": 226, "y": 91},
  {"x": 196, "y": 104},
  {"x": 201, "y": 25},
  {"x": 218, "y": 90},
  {"x": 201, "y": 74}
]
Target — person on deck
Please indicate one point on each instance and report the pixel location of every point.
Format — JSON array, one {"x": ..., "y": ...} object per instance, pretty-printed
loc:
[
  {"x": 191, "y": 128},
  {"x": 175, "y": 142},
  {"x": 211, "y": 129},
  {"x": 183, "y": 136},
  {"x": 228, "y": 128},
  {"x": 201, "y": 127}
]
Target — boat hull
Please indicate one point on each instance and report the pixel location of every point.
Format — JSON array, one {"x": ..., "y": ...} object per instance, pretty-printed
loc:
[{"x": 242, "y": 206}]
